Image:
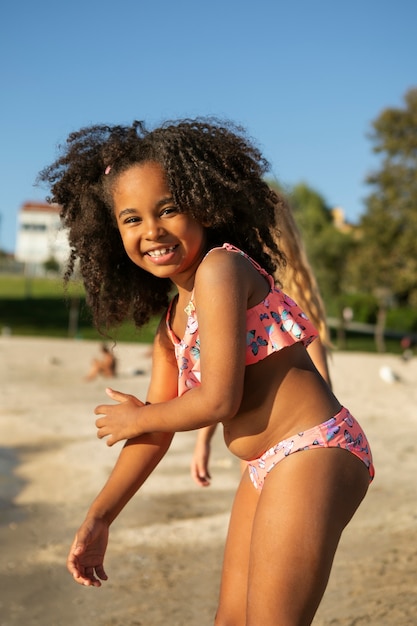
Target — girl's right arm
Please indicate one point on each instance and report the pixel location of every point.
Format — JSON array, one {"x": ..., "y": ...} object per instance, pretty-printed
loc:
[
  {"x": 201, "y": 455},
  {"x": 137, "y": 460}
]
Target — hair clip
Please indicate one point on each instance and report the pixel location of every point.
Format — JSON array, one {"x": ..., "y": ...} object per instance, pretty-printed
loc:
[{"x": 107, "y": 170}]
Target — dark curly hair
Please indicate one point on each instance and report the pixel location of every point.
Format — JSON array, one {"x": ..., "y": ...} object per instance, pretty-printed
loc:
[{"x": 214, "y": 173}]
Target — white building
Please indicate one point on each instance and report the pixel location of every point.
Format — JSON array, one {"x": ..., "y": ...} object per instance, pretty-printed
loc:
[{"x": 40, "y": 236}]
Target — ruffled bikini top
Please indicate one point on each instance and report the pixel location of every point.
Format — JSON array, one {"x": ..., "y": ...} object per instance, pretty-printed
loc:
[{"x": 275, "y": 323}]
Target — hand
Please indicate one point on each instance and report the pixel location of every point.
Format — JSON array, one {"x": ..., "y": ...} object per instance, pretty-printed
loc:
[
  {"x": 120, "y": 420},
  {"x": 199, "y": 464},
  {"x": 86, "y": 556}
]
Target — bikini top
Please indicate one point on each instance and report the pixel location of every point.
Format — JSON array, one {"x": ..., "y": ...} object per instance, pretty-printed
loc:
[{"x": 275, "y": 323}]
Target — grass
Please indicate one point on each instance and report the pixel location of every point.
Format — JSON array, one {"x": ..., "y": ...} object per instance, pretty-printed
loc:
[
  {"x": 41, "y": 307},
  {"x": 361, "y": 342},
  {"x": 22, "y": 287}
]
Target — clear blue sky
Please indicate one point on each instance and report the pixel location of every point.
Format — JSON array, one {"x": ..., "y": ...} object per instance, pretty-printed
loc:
[{"x": 305, "y": 78}]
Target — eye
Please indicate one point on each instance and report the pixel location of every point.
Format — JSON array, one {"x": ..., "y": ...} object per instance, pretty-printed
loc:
[
  {"x": 170, "y": 210},
  {"x": 133, "y": 219}
]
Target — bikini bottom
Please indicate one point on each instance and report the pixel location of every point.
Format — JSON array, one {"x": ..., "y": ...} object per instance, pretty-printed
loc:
[{"x": 340, "y": 431}]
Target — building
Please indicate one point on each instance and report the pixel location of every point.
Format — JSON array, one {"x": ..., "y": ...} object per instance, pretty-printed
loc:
[
  {"x": 339, "y": 221},
  {"x": 40, "y": 236}
]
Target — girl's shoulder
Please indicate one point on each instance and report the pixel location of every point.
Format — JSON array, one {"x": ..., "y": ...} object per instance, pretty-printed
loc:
[
  {"x": 227, "y": 273},
  {"x": 223, "y": 265},
  {"x": 229, "y": 257}
]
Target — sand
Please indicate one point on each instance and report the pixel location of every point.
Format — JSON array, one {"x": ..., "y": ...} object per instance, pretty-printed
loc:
[{"x": 165, "y": 550}]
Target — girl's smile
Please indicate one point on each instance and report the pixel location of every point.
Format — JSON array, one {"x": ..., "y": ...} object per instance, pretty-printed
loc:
[{"x": 156, "y": 235}]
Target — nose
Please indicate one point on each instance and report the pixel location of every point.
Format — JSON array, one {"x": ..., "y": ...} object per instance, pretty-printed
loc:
[{"x": 153, "y": 228}]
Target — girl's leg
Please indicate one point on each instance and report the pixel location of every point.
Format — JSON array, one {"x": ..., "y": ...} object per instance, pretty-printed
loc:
[
  {"x": 305, "y": 504},
  {"x": 234, "y": 583}
]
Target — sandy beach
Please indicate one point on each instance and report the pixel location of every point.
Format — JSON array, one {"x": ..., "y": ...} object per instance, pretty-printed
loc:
[{"x": 165, "y": 551}]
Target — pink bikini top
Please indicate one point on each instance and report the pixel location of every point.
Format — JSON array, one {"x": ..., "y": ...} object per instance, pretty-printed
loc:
[{"x": 275, "y": 323}]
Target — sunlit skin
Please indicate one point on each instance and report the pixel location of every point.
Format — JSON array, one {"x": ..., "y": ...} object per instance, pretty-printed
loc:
[
  {"x": 201, "y": 455},
  {"x": 272, "y": 545},
  {"x": 161, "y": 239},
  {"x": 156, "y": 235}
]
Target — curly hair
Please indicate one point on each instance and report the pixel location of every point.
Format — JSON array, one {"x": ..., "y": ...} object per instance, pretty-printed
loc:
[{"x": 215, "y": 174}]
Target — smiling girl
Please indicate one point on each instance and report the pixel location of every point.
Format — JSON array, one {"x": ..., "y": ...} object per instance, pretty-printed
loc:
[{"x": 185, "y": 207}]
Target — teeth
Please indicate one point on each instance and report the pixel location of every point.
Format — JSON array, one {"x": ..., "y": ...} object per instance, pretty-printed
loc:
[{"x": 161, "y": 251}]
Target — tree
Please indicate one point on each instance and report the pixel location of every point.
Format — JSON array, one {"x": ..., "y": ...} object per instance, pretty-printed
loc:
[
  {"x": 385, "y": 261},
  {"x": 327, "y": 247},
  {"x": 51, "y": 265}
]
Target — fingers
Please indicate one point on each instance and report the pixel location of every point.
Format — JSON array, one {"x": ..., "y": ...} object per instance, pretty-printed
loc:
[
  {"x": 87, "y": 580},
  {"x": 102, "y": 409},
  {"x": 204, "y": 480},
  {"x": 104, "y": 431},
  {"x": 101, "y": 573},
  {"x": 83, "y": 574},
  {"x": 200, "y": 476},
  {"x": 119, "y": 396},
  {"x": 115, "y": 419},
  {"x": 102, "y": 428},
  {"x": 86, "y": 577}
]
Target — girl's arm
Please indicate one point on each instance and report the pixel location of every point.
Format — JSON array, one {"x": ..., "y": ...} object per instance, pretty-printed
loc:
[
  {"x": 137, "y": 460},
  {"x": 201, "y": 455},
  {"x": 318, "y": 355},
  {"x": 222, "y": 287}
]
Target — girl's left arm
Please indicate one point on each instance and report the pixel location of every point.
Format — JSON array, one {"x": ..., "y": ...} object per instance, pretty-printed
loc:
[{"x": 221, "y": 290}]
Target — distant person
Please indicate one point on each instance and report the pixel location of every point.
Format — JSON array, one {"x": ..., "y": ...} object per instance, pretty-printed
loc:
[
  {"x": 185, "y": 207},
  {"x": 407, "y": 348},
  {"x": 104, "y": 366}
]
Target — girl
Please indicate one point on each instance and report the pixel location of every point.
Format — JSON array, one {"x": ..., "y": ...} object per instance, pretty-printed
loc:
[{"x": 185, "y": 206}]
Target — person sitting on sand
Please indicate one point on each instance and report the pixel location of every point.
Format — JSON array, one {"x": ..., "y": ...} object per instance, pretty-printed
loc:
[{"x": 105, "y": 366}]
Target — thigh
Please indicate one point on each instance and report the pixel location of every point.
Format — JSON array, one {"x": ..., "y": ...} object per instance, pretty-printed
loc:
[
  {"x": 307, "y": 500},
  {"x": 234, "y": 583}
]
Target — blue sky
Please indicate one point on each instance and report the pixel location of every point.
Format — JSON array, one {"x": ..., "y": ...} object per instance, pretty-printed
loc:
[{"x": 305, "y": 78}]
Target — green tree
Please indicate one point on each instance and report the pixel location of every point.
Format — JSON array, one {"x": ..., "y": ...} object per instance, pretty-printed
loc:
[
  {"x": 385, "y": 261},
  {"x": 327, "y": 247},
  {"x": 51, "y": 265}
]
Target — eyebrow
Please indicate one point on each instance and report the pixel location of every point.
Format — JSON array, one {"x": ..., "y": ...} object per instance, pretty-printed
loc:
[{"x": 158, "y": 205}]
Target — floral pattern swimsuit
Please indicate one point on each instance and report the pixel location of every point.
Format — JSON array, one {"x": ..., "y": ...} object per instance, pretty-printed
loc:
[{"x": 273, "y": 324}]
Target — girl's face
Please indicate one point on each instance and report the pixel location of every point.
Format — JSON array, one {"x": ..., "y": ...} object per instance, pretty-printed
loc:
[{"x": 156, "y": 235}]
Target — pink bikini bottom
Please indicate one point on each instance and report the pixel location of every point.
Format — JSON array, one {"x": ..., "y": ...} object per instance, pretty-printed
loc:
[{"x": 340, "y": 431}]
